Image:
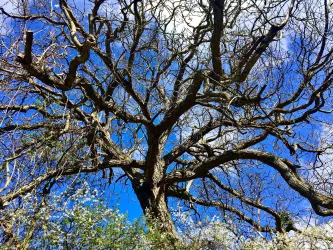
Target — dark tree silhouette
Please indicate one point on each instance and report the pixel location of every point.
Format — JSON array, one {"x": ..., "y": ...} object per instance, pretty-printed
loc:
[{"x": 219, "y": 104}]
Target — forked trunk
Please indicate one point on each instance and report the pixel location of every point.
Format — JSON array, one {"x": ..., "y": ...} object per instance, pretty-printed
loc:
[{"x": 151, "y": 194}]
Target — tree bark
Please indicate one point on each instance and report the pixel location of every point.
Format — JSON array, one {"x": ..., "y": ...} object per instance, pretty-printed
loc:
[
  {"x": 153, "y": 202},
  {"x": 149, "y": 190}
]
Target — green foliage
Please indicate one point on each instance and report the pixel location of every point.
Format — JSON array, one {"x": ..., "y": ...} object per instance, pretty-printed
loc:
[{"x": 286, "y": 220}]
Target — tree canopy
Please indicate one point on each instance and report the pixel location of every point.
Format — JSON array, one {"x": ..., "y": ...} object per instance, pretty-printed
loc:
[{"x": 222, "y": 106}]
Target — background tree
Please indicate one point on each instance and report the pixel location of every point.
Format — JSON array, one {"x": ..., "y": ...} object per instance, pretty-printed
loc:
[{"x": 220, "y": 105}]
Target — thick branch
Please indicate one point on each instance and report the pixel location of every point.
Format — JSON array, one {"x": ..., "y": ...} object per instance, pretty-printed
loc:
[
  {"x": 69, "y": 170},
  {"x": 286, "y": 169}
]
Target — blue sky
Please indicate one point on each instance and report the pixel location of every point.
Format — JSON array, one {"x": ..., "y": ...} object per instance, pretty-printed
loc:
[{"x": 127, "y": 201}]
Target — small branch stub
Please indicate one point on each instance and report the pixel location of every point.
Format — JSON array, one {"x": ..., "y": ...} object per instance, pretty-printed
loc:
[{"x": 28, "y": 46}]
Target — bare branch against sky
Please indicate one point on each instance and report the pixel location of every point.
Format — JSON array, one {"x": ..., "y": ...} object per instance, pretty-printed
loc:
[{"x": 218, "y": 105}]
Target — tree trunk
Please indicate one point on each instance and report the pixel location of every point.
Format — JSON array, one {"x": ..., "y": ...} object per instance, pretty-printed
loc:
[
  {"x": 154, "y": 205},
  {"x": 151, "y": 194}
]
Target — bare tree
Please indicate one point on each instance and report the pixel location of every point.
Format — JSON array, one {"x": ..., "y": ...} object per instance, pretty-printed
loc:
[{"x": 218, "y": 103}]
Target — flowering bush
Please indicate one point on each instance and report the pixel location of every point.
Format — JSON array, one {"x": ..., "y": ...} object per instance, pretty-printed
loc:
[
  {"x": 312, "y": 238},
  {"x": 79, "y": 219},
  {"x": 74, "y": 219}
]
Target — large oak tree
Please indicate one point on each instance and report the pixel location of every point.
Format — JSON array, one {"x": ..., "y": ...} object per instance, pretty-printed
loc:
[{"x": 222, "y": 104}]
